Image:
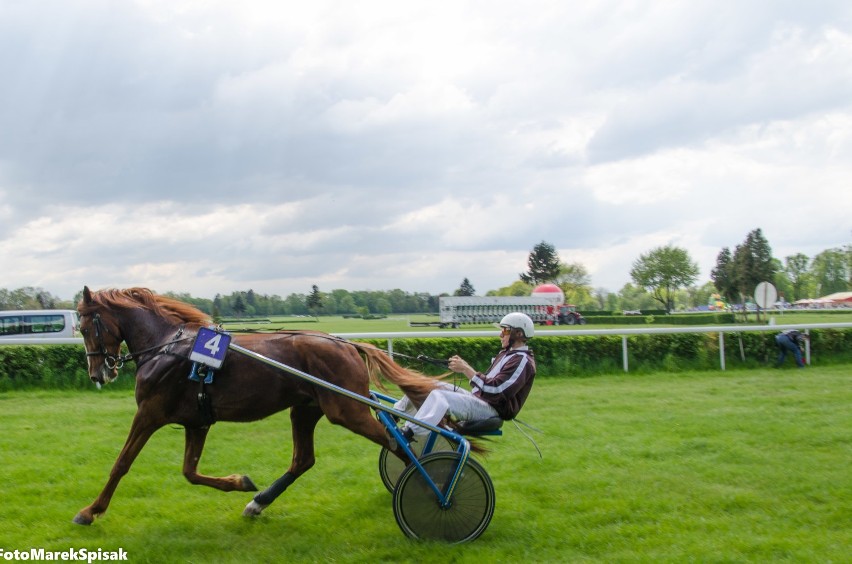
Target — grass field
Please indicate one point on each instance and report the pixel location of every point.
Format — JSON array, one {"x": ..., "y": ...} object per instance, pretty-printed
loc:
[
  {"x": 710, "y": 467},
  {"x": 395, "y": 323}
]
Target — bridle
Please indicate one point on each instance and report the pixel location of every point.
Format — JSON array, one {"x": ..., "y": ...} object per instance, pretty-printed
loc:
[
  {"x": 116, "y": 362},
  {"x": 112, "y": 361}
]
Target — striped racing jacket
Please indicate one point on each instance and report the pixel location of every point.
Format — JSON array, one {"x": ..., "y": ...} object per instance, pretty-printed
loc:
[{"x": 507, "y": 383}]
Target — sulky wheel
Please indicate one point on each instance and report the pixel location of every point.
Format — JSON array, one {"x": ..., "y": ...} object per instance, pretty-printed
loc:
[
  {"x": 390, "y": 467},
  {"x": 419, "y": 513}
]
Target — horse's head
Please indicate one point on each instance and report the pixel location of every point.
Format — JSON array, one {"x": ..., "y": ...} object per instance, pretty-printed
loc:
[{"x": 101, "y": 337}]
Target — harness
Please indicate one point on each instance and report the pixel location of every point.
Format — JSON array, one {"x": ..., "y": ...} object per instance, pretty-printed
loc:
[
  {"x": 114, "y": 362},
  {"x": 201, "y": 374},
  {"x": 204, "y": 376}
]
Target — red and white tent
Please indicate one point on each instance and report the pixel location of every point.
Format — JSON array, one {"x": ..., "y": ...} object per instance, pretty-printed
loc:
[{"x": 839, "y": 297}]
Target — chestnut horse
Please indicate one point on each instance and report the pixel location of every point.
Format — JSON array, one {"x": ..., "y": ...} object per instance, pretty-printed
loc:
[{"x": 159, "y": 333}]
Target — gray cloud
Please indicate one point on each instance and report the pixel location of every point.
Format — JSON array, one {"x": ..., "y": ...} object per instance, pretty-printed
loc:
[{"x": 277, "y": 143}]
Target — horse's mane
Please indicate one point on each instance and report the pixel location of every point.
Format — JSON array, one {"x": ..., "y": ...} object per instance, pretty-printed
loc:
[{"x": 169, "y": 308}]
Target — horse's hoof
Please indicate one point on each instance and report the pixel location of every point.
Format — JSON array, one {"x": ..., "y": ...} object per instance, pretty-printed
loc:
[
  {"x": 253, "y": 509},
  {"x": 392, "y": 446},
  {"x": 248, "y": 485},
  {"x": 81, "y": 519}
]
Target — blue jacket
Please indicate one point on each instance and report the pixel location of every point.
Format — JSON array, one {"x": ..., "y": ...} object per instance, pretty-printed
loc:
[{"x": 793, "y": 335}]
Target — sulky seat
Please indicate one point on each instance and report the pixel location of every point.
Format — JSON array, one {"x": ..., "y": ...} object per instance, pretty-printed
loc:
[{"x": 490, "y": 426}]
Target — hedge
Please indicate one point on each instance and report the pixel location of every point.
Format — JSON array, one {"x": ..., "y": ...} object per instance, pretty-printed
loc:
[
  {"x": 720, "y": 318},
  {"x": 587, "y": 355},
  {"x": 49, "y": 366},
  {"x": 64, "y": 366},
  {"x": 618, "y": 314}
]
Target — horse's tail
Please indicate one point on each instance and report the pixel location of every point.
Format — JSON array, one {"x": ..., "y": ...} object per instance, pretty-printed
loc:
[{"x": 413, "y": 384}]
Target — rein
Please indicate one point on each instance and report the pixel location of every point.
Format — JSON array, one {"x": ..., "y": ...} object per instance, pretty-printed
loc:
[{"x": 443, "y": 363}]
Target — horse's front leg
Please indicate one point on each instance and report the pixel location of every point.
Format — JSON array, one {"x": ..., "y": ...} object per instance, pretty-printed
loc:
[
  {"x": 195, "y": 438},
  {"x": 140, "y": 431},
  {"x": 304, "y": 420}
]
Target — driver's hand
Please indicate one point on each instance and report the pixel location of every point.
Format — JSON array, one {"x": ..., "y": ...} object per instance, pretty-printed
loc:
[{"x": 460, "y": 365}]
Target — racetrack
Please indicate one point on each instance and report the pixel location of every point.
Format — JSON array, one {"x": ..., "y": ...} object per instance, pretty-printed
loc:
[{"x": 744, "y": 466}]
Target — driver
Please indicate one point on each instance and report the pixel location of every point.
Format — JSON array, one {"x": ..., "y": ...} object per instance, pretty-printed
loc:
[{"x": 498, "y": 392}]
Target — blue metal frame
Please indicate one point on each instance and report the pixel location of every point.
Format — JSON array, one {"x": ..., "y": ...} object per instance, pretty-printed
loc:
[{"x": 384, "y": 413}]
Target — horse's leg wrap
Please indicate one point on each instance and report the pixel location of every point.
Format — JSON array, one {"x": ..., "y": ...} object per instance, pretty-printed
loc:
[{"x": 271, "y": 493}]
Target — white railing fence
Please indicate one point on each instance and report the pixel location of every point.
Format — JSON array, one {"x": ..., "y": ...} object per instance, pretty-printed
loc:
[
  {"x": 722, "y": 330},
  {"x": 624, "y": 333}
]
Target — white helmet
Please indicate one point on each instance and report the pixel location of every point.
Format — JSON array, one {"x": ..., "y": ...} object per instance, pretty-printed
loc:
[{"x": 518, "y": 320}]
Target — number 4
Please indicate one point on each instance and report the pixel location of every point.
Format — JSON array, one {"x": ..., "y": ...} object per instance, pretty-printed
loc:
[{"x": 213, "y": 345}]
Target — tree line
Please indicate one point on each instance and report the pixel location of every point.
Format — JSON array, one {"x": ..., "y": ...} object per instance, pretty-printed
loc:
[
  {"x": 249, "y": 303},
  {"x": 663, "y": 278}
]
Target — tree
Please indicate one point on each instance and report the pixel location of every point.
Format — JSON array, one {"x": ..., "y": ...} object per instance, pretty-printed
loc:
[
  {"x": 45, "y": 300},
  {"x": 631, "y": 297},
  {"x": 30, "y": 298},
  {"x": 796, "y": 267},
  {"x": 543, "y": 264},
  {"x": 314, "y": 300},
  {"x": 575, "y": 283},
  {"x": 848, "y": 251},
  {"x": 383, "y": 306},
  {"x": 752, "y": 264},
  {"x": 613, "y": 302},
  {"x": 662, "y": 271},
  {"x": 700, "y": 295},
  {"x": 345, "y": 301},
  {"x": 328, "y": 305},
  {"x": 830, "y": 271},
  {"x": 573, "y": 276},
  {"x": 723, "y": 275},
  {"x": 239, "y": 306},
  {"x": 516, "y": 288},
  {"x": 782, "y": 281},
  {"x": 295, "y": 304},
  {"x": 466, "y": 289},
  {"x": 602, "y": 298}
]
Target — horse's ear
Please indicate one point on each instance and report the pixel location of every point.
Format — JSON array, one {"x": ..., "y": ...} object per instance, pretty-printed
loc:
[{"x": 87, "y": 295}]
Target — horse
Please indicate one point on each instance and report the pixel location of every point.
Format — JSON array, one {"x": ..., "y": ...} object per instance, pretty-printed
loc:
[{"x": 158, "y": 332}]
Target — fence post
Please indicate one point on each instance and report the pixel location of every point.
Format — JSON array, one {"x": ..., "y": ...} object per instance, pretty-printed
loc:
[
  {"x": 808, "y": 347},
  {"x": 722, "y": 349},
  {"x": 624, "y": 351}
]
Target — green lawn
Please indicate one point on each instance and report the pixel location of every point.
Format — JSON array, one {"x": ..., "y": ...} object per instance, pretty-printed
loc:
[
  {"x": 709, "y": 467},
  {"x": 400, "y": 322}
]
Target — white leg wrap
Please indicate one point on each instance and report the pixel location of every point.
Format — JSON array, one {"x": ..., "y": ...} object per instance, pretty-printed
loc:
[{"x": 253, "y": 509}]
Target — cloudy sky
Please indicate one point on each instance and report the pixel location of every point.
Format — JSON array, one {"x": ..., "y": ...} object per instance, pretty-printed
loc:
[{"x": 213, "y": 146}]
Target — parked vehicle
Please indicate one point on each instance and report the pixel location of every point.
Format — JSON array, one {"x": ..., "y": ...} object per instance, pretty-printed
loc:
[
  {"x": 543, "y": 310},
  {"x": 568, "y": 315},
  {"x": 39, "y": 323}
]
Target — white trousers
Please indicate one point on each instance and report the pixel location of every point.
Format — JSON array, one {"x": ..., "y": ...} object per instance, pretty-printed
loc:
[{"x": 458, "y": 403}]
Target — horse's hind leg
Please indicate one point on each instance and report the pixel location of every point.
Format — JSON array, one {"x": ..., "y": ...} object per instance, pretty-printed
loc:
[
  {"x": 304, "y": 420},
  {"x": 195, "y": 438},
  {"x": 359, "y": 419}
]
